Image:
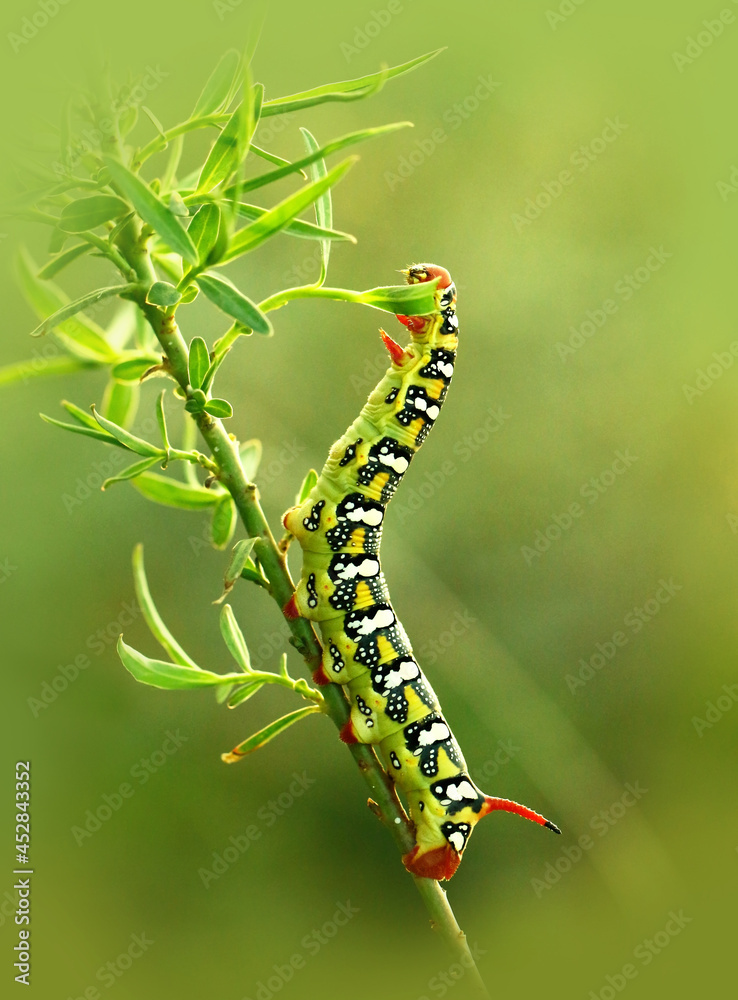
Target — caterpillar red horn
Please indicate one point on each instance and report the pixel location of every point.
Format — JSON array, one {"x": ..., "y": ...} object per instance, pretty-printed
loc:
[{"x": 343, "y": 589}]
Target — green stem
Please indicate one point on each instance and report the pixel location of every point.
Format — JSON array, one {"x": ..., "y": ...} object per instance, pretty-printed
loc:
[{"x": 386, "y": 804}]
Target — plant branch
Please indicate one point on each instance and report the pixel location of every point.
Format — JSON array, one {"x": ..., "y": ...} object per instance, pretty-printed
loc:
[{"x": 133, "y": 246}]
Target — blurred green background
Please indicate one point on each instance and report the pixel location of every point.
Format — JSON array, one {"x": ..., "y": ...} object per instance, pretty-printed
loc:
[{"x": 527, "y": 425}]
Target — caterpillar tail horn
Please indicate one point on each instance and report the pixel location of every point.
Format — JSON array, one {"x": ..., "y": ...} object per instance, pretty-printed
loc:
[{"x": 441, "y": 862}]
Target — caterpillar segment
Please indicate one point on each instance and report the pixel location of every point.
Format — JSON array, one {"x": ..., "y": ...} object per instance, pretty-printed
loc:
[{"x": 343, "y": 589}]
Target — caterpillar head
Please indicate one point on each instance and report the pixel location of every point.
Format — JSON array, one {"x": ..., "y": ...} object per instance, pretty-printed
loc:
[{"x": 445, "y": 293}]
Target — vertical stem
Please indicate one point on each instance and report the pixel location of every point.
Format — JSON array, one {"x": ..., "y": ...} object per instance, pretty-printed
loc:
[{"x": 224, "y": 450}]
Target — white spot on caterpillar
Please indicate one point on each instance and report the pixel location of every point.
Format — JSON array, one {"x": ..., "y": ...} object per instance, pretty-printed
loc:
[
  {"x": 457, "y": 841},
  {"x": 464, "y": 790},
  {"x": 446, "y": 369},
  {"x": 369, "y": 567},
  {"x": 397, "y": 463},
  {"x": 433, "y": 412},
  {"x": 382, "y": 619},
  {"x": 407, "y": 671},
  {"x": 437, "y": 733},
  {"x": 370, "y": 517}
]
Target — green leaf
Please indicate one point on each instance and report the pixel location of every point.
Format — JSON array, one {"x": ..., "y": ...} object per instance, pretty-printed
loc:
[
  {"x": 61, "y": 260},
  {"x": 344, "y": 91},
  {"x": 177, "y": 206},
  {"x": 216, "y": 92},
  {"x": 308, "y": 483},
  {"x": 239, "y": 557},
  {"x": 89, "y": 213},
  {"x": 332, "y": 147},
  {"x": 223, "y": 294},
  {"x": 267, "y": 734},
  {"x": 223, "y": 524},
  {"x": 162, "y": 420},
  {"x": 250, "y": 454},
  {"x": 168, "y": 676},
  {"x": 406, "y": 300},
  {"x": 79, "y": 305},
  {"x": 151, "y": 615},
  {"x": 87, "y": 431},
  {"x": 220, "y": 408},
  {"x": 132, "y": 369},
  {"x": 78, "y": 334},
  {"x": 80, "y": 415},
  {"x": 128, "y": 440},
  {"x": 131, "y": 472},
  {"x": 223, "y": 156},
  {"x": 21, "y": 371},
  {"x": 162, "y": 293},
  {"x": 234, "y": 640},
  {"x": 244, "y": 693},
  {"x": 152, "y": 210},
  {"x": 172, "y": 493},
  {"x": 323, "y": 205},
  {"x": 120, "y": 403},
  {"x": 297, "y": 227},
  {"x": 204, "y": 230},
  {"x": 282, "y": 214},
  {"x": 199, "y": 361}
]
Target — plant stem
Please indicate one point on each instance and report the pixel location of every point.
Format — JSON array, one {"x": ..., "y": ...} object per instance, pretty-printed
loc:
[{"x": 224, "y": 450}]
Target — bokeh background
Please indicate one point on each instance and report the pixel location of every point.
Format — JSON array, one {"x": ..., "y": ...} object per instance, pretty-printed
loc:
[{"x": 500, "y": 630}]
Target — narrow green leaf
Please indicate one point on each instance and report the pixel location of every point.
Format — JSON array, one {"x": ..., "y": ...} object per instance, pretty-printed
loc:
[
  {"x": 151, "y": 615},
  {"x": 239, "y": 557},
  {"x": 168, "y": 676},
  {"x": 57, "y": 241},
  {"x": 223, "y": 294},
  {"x": 244, "y": 693},
  {"x": 323, "y": 205},
  {"x": 177, "y": 206},
  {"x": 120, "y": 403},
  {"x": 89, "y": 213},
  {"x": 79, "y": 305},
  {"x": 21, "y": 371},
  {"x": 128, "y": 440},
  {"x": 409, "y": 300},
  {"x": 344, "y": 91},
  {"x": 283, "y": 672},
  {"x": 199, "y": 361},
  {"x": 78, "y": 334},
  {"x": 297, "y": 227},
  {"x": 58, "y": 263},
  {"x": 152, "y": 210},
  {"x": 308, "y": 483},
  {"x": 77, "y": 429},
  {"x": 282, "y": 214},
  {"x": 220, "y": 408},
  {"x": 267, "y": 734},
  {"x": 132, "y": 369},
  {"x": 131, "y": 472},
  {"x": 80, "y": 415},
  {"x": 250, "y": 454},
  {"x": 223, "y": 523},
  {"x": 172, "y": 493},
  {"x": 332, "y": 147},
  {"x": 221, "y": 160},
  {"x": 162, "y": 293},
  {"x": 233, "y": 638},
  {"x": 204, "y": 230},
  {"x": 217, "y": 90},
  {"x": 253, "y": 574},
  {"x": 162, "y": 420}
]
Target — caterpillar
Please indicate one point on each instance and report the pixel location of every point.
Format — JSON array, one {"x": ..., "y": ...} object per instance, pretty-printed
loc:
[{"x": 342, "y": 588}]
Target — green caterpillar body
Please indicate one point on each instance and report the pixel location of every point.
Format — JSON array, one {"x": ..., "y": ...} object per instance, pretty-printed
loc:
[{"x": 343, "y": 589}]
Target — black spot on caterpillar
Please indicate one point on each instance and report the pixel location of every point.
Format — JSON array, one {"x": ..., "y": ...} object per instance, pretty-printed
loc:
[{"x": 343, "y": 589}]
